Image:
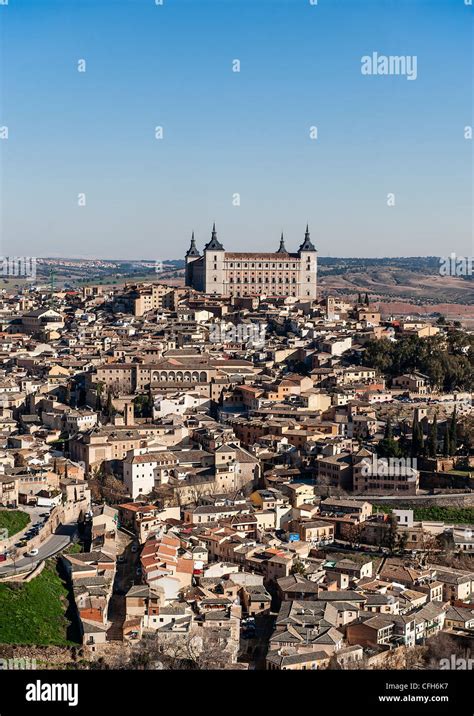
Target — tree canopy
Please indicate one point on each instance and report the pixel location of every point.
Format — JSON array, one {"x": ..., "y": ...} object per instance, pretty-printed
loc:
[{"x": 447, "y": 360}]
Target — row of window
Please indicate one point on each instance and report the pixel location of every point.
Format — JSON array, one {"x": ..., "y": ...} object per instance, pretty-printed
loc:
[
  {"x": 260, "y": 280},
  {"x": 278, "y": 292},
  {"x": 264, "y": 266},
  {"x": 196, "y": 376}
]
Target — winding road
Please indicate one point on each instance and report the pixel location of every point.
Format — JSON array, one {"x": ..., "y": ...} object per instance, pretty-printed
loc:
[{"x": 51, "y": 546}]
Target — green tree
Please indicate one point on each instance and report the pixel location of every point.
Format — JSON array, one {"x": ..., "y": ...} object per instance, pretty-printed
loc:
[
  {"x": 143, "y": 405},
  {"x": 110, "y": 409},
  {"x": 447, "y": 359},
  {"x": 388, "y": 446},
  {"x": 417, "y": 438},
  {"x": 446, "y": 442},
  {"x": 453, "y": 433},
  {"x": 391, "y": 535},
  {"x": 466, "y": 433},
  {"x": 99, "y": 393},
  {"x": 433, "y": 438},
  {"x": 446, "y": 542},
  {"x": 298, "y": 567},
  {"x": 402, "y": 539}
]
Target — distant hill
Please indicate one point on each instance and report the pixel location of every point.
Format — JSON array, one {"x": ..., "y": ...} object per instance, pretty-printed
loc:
[{"x": 416, "y": 279}]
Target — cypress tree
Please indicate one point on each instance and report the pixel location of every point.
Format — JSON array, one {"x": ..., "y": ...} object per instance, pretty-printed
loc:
[
  {"x": 446, "y": 445},
  {"x": 433, "y": 438},
  {"x": 110, "y": 405},
  {"x": 453, "y": 438},
  {"x": 388, "y": 435},
  {"x": 415, "y": 436}
]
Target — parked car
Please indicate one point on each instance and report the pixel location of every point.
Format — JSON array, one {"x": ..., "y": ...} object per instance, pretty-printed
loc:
[
  {"x": 120, "y": 559},
  {"x": 134, "y": 548}
]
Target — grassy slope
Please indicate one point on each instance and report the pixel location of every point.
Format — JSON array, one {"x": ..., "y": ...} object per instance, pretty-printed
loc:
[
  {"x": 458, "y": 515},
  {"x": 34, "y": 613},
  {"x": 13, "y": 520}
]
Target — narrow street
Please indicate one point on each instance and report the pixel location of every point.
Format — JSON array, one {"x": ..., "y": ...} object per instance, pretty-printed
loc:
[
  {"x": 116, "y": 617},
  {"x": 254, "y": 651},
  {"x": 125, "y": 577}
]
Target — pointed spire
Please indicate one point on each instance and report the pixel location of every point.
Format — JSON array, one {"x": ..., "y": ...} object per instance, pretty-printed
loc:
[
  {"x": 307, "y": 244},
  {"x": 214, "y": 244},
  {"x": 282, "y": 248},
  {"x": 192, "y": 251}
]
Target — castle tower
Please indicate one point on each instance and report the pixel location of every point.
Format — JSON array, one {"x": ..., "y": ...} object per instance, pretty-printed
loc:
[
  {"x": 282, "y": 248},
  {"x": 214, "y": 257},
  {"x": 308, "y": 268},
  {"x": 192, "y": 254}
]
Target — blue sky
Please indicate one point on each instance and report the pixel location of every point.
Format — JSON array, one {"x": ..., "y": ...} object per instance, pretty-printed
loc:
[{"x": 226, "y": 132}]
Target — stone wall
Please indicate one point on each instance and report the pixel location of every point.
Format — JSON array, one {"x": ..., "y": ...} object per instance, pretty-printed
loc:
[
  {"x": 445, "y": 481},
  {"x": 442, "y": 500},
  {"x": 46, "y": 657}
]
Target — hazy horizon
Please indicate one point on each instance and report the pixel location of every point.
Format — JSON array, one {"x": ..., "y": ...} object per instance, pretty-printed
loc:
[{"x": 177, "y": 258}]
